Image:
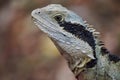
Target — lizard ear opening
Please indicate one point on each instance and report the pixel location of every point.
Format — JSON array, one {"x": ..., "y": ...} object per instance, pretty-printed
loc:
[{"x": 58, "y": 17}]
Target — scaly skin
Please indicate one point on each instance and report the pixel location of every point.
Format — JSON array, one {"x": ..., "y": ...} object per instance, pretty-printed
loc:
[{"x": 78, "y": 42}]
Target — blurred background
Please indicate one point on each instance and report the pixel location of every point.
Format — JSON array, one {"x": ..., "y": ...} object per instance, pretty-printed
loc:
[{"x": 28, "y": 54}]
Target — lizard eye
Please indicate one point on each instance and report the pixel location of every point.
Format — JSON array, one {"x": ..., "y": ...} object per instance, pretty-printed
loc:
[{"x": 58, "y": 17}]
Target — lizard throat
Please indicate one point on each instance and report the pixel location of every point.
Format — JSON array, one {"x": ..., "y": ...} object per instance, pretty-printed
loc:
[{"x": 80, "y": 32}]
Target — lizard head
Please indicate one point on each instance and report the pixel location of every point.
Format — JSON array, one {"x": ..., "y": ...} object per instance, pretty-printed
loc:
[
  {"x": 49, "y": 17},
  {"x": 74, "y": 39},
  {"x": 66, "y": 29}
]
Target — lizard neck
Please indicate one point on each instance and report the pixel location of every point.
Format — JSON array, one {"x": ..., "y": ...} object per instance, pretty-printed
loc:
[{"x": 106, "y": 66}]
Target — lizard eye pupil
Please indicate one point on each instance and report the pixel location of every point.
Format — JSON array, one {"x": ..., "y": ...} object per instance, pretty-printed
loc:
[{"x": 58, "y": 18}]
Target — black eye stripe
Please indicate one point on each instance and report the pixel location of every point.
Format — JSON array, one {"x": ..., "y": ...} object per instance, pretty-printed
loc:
[{"x": 79, "y": 31}]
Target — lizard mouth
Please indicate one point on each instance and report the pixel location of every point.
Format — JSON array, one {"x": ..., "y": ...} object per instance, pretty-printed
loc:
[
  {"x": 36, "y": 22},
  {"x": 47, "y": 28},
  {"x": 43, "y": 27}
]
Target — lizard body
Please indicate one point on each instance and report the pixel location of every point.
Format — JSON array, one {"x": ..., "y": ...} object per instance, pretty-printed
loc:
[{"x": 78, "y": 42}]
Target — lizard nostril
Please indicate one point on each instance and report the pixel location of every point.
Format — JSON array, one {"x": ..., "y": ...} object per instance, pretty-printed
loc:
[{"x": 38, "y": 12}]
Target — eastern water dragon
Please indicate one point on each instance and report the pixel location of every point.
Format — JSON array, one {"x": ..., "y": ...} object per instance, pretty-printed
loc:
[{"x": 78, "y": 43}]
